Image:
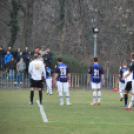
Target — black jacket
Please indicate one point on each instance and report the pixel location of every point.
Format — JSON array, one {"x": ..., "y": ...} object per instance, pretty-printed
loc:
[
  {"x": 11, "y": 65},
  {"x": 2, "y": 54}
]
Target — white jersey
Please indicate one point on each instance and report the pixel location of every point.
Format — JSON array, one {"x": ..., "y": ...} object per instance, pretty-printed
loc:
[
  {"x": 129, "y": 78},
  {"x": 36, "y": 69}
]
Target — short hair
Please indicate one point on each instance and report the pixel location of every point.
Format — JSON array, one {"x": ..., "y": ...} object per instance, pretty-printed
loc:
[
  {"x": 95, "y": 59},
  {"x": 35, "y": 56},
  {"x": 1, "y": 46},
  {"x": 132, "y": 55},
  {"x": 59, "y": 59},
  {"x": 124, "y": 63}
]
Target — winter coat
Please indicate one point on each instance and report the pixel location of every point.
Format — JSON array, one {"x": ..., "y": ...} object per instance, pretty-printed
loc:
[
  {"x": 7, "y": 58},
  {"x": 21, "y": 66},
  {"x": 11, "y": 65},
  {"x": 2, "y": 54}
]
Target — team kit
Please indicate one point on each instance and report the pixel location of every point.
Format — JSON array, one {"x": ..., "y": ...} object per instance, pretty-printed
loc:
[{"x": 40, "y": 73}]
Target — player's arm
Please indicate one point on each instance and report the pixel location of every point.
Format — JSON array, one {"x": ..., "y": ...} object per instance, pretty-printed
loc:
[
  {"x": 89, "y": 75},
  {"x": 55, "y": 76},
  {"x": 43, "y": 71},
  {"x": 126, "y": 76},
  {"x": 102, "y": 76}
]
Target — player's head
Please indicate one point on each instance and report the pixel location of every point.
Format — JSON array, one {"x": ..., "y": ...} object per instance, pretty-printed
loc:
[
  {"x": 35, "y": 56},
  {"x": 132, "y": 56},
  {"x": 59, "y": 60},
  {"x": 95, "y": 59},
  {"x": 124, "y": 63}
]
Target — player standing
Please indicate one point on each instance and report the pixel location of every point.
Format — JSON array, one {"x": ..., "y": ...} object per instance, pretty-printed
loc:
[
  {"x": 128, "y": 85},
  {"x": 36, "y": 70},
  {"x": 122, "y": 82},
  {"x": 131, "y": 71},
  {"x": 95, "y": 74},
  {"x": 63, "y": 79},
  {"x": 49, "y": 74}
]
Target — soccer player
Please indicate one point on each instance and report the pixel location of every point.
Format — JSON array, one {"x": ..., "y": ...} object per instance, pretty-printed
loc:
[
  {"x": 128, "y": 86},
  {"x": 95, "y": 74},
  {"x": 36, "y": 69},
  {"x": 131, "y": 71},
  {"x": 49, "y": 75},
  {"x": 63, "y": 79},
  {"x": 122, "y": 82}
]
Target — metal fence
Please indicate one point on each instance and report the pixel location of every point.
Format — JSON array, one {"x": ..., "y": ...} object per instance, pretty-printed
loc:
[{"x": 78, "y": 80}]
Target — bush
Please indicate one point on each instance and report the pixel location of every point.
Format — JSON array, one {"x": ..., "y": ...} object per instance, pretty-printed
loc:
[{"x": 74, "y": 65}]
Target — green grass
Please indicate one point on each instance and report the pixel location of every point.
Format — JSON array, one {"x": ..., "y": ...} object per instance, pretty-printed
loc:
[{"x": 17, "y": 117}]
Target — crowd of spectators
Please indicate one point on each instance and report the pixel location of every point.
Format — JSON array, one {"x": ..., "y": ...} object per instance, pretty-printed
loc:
[{"x": 18, "y": 61}]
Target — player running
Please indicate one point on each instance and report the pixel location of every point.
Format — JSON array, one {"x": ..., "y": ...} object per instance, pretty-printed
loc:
[
  {"x": 122, "y": 82},
  {"x": 131, "y": 71},
  {"x": 96, "y": 73},
  {"x": 36, "y": 70},
  {"x": 49, "y": 75},
  {"x": 63, "y": 79}
]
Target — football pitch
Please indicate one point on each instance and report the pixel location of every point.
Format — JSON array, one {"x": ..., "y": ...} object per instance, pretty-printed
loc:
[{"x": 18, "y": 117}]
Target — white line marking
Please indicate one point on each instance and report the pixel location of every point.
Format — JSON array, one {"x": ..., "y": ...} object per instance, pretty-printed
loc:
[{"x": 44, "y": 117}]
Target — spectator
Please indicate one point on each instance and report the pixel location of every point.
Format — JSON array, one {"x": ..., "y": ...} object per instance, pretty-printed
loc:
[
  {"x": 40, "y": 58},
  {"x": 49, "y": 57},
  {"x": 7, "y": 58},
  {"x": 11, "y": 67},
  {"x": 28, "y": 59},
  {"x": 21, "y": 56},
  {"x": 21, "y": 66},
  {"x": 45, "y": 58},
  {"x": 2, "y": 54},
  {"x": 25, "y": 53},
  {"x": 42, "y": 51},
  {"x": 10, "y": 49},
  {"x": 17, "y": 53},
  {"x": 36, "y": 51}
]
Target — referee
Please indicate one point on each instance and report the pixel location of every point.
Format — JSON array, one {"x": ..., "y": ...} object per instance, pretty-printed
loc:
[{"x": 36, "y": 70}]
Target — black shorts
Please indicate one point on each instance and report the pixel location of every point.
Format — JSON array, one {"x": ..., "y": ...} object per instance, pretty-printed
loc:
[
  {"x": 129, "y": 86},
  {"x": 36, "y": 83}
]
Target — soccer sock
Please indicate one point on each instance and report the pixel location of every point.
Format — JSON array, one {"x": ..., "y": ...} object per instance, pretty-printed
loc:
[
  {"x": 40, "y": 96},
  {"x": 121, "y": 93},
  {"x": 67, "y": 97},
  {"x": 61, "y": 97},
  {"x": 99, "y": 96},
  {"x": 31, "y": 96},
  {"x": 94, "y": 97},
  {"x": 125, "y": 97},
  {"x": 131, "y": 101}
]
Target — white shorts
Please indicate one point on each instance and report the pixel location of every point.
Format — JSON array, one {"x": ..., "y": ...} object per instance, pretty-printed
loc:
[
  {"x": 49, "y": 83},
  {"x": 95, "y": 85},
  {"x": 63, "y": 86},
  {"x": 132, "y": 86},
  {"x": 122, "y": 86}
]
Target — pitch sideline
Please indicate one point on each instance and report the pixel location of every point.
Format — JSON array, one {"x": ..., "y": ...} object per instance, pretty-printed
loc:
[{"x": 42, "y": 111}]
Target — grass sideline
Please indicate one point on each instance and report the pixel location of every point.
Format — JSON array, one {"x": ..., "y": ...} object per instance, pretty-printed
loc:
[{"x": 17, "y": 117}]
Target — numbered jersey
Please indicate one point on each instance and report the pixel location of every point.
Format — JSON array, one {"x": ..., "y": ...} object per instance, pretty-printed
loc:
[
  {"x": 49, "y": 73},
  {"x": 96, "y": 71},
  {"x": 121, "y": 74},
  {"x": 62, "y": 71}
]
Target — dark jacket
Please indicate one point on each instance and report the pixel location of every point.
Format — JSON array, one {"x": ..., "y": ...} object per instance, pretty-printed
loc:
[
  {"x": 25, "y": 53},
  {"x": 16, "y": 54},
  {"x": 50, "y": 56},
  {"x": 20, "y": 57},
  {"x": 2, "y": 54},
  {"x": 45, "y": 56},
  {"x": 11, "y": 65}
]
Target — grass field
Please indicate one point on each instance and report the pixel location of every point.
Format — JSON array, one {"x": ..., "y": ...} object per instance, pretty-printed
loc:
[{"x": 18, "y": 117}]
